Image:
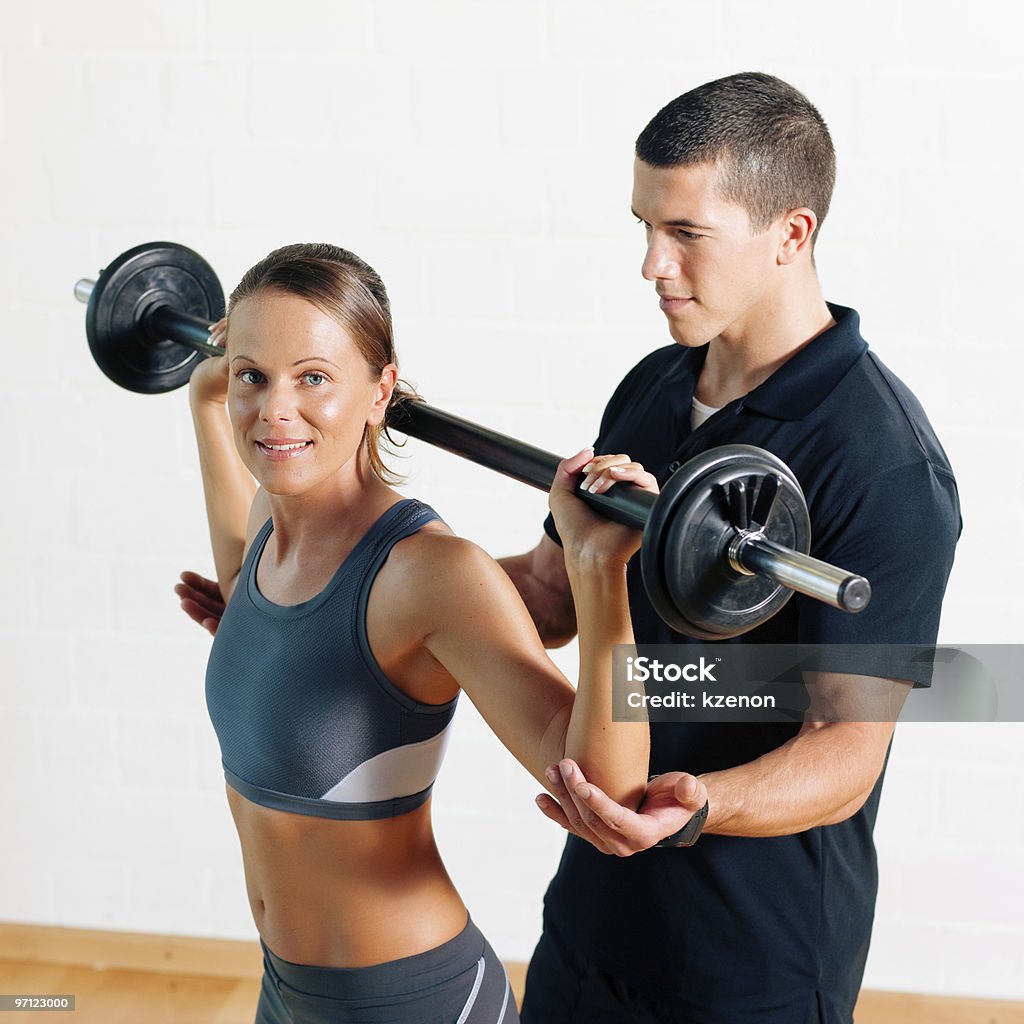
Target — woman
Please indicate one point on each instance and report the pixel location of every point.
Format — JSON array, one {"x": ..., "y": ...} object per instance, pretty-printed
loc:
[{"x": 354, "y": 617}]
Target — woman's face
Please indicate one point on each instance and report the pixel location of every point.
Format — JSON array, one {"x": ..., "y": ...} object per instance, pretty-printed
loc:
[{"x": 300, "y": 393}]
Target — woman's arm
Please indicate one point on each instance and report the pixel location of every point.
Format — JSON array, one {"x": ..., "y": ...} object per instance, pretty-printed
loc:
[
  {"x": 227, "y": 485},
  {"x": 473, "y": 622},
  {"x": 596, "y": 553}
]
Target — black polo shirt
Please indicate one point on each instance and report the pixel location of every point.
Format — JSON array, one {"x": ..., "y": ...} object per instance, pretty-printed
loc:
[{"x": 736, "y": 930}]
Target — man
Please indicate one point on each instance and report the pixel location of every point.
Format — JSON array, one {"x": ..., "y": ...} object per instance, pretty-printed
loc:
[{"x": 767, "y": 917}]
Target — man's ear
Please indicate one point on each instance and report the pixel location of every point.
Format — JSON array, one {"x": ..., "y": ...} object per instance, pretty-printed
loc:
[{"x": 798, "y": 227}]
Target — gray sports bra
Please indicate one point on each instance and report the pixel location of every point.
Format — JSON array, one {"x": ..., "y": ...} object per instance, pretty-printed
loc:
[{"x": 306, "y": 719}]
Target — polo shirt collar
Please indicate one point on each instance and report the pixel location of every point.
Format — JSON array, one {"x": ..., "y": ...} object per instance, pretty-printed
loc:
[{"x": 804, "y": 381}]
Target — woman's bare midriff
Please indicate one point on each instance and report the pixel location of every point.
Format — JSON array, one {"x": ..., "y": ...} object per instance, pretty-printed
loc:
[{"x": 345, "y": 893}]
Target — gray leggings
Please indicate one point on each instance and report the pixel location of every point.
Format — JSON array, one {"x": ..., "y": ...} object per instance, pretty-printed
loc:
[{"x": 460, "y": 982}]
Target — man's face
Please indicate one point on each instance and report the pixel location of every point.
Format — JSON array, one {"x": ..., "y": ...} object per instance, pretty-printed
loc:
[{"x": 715, "y": 277}]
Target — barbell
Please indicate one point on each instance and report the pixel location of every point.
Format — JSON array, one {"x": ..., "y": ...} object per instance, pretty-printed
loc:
[{"x": 724, "y": 544}]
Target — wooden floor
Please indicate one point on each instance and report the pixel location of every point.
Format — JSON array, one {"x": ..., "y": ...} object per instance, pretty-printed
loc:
[
  {"x": 206, "y": 982},
  {"x": 130, "y": 997}
]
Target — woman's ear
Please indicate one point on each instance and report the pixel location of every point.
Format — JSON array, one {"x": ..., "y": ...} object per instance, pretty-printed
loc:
[{"x": 384, "y": 389}]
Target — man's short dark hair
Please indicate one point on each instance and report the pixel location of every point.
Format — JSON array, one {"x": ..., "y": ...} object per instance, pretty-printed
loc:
[{"x": 772, "y": 147}]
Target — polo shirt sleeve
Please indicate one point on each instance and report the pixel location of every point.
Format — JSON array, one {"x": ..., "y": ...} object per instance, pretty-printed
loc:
[{"x": 899, "y": 531}]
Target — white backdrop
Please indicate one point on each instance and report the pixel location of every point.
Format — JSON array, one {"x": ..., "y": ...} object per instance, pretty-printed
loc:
[{"x": 478, "y": 154}]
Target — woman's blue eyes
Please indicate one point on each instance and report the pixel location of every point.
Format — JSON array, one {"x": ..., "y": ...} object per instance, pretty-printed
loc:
[{"x": 312, "y": 378}]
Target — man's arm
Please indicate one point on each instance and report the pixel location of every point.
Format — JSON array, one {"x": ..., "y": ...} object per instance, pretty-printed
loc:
[
  {"x": 822, "y": 776},
  {"x": 543, "y": 584}
]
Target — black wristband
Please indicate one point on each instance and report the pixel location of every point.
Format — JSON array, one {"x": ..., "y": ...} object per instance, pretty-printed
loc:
[{"x": 690, "y": 832}]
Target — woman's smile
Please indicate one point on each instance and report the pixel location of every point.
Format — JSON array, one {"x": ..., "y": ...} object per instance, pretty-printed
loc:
[{"x": 279, "y": 449}]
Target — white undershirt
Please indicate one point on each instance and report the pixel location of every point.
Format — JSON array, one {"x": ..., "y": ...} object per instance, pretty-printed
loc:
[{"x": 700, "y": 413}]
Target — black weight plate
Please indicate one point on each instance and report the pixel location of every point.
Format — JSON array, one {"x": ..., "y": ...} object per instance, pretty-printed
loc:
[
  {"x": 150, "y": 275},
  {"x": 655, "y": 541},
  {"x": 684, "y": 558},
  {"x": 712, "y": 596}
]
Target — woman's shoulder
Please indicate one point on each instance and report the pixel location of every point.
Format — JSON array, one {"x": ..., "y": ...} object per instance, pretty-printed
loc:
[
  {"x": 436, "y": 552},
  {"x": 434, "y": 573}
]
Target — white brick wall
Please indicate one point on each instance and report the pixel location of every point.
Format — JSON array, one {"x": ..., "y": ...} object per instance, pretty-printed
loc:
[{"x": 478, "y": 155}]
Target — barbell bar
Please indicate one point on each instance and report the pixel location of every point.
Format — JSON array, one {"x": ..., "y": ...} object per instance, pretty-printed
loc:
[{"x": 724, "y": 544}]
